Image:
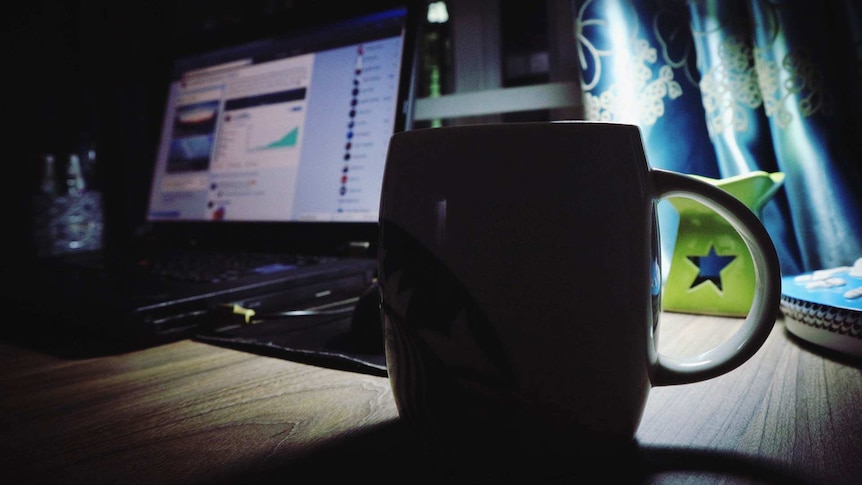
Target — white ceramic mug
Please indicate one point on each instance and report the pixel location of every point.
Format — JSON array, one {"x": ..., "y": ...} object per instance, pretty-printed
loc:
[{"x": 520, "y": 282}]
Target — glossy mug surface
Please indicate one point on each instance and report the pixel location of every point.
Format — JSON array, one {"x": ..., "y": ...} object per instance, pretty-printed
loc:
[{"x": 520, "y": 282}]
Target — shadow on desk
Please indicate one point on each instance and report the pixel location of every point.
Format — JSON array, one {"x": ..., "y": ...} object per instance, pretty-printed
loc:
[
  {"x": 829, "y": 354},
  {"x": 311, "y": 340},
  {"x": 144, "y": 418},
  {"x": 56, "y": 337},
  {"x": 385, "y": 455}
]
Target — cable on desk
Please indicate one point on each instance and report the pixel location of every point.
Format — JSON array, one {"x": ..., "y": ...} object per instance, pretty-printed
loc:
[{"x": 235, "y": 313}]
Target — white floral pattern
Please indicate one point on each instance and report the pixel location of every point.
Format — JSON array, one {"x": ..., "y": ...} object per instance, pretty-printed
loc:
[
  {"x": 729, "y": 87},
  {"x": 743, "y": 79},
  {"x": 612, "y": 104},
  {"x": 640, "y": 94},
  {"x": 797, "y": 77}
]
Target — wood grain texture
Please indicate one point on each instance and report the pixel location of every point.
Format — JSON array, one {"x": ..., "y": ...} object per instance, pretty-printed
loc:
[
  {"x": 793, "y": 413},
  {"x": 189, "y": 412},
  {"x": 172, "y": 414}
]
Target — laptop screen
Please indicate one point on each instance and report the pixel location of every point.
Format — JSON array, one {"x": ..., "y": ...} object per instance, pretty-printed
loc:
[{"x": 293, "y": 127}]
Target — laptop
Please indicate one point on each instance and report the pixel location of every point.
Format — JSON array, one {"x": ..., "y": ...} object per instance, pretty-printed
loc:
[{"x": 270, "y": 156}]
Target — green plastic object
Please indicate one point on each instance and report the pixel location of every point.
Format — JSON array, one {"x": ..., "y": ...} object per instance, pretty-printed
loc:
[{"x": 711, "y": 270}]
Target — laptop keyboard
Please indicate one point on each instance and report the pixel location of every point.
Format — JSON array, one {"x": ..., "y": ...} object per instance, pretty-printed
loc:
[{"x": 216, "y": 267}]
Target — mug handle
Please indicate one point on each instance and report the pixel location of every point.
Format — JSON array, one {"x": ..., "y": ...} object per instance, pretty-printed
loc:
[{"x": 761, "y": 318}]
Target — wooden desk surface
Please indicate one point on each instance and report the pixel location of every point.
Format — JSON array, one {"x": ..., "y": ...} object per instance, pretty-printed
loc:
[{"x": 189, "y": 412}]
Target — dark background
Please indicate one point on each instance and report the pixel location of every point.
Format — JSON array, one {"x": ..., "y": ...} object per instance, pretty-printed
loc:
[
  {"x": 82, "y": 72},
  {"x": 79, "y": 72}
]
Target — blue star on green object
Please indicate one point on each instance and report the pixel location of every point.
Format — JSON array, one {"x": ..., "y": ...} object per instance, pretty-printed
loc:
[{"x": 710, "y": 267}]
